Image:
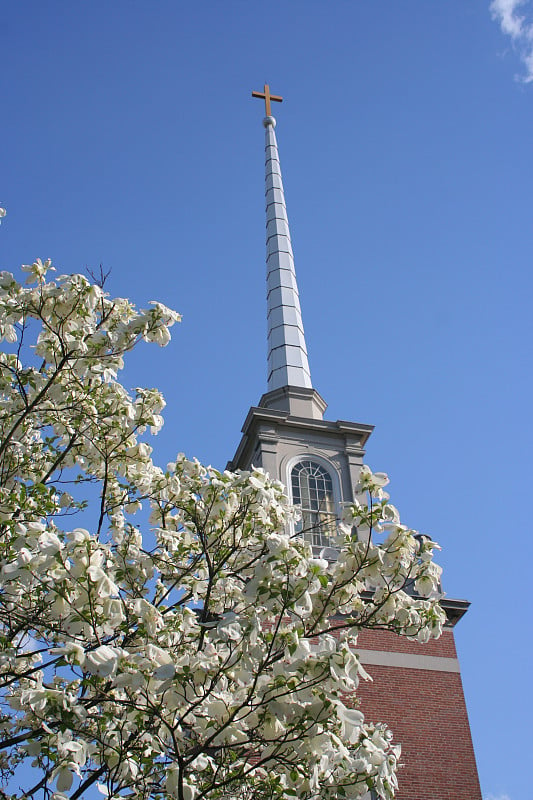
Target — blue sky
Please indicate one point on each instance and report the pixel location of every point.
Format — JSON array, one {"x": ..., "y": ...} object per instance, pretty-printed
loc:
[{"x": 129, "y": 138}]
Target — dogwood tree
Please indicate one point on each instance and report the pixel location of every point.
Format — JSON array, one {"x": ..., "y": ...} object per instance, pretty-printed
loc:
[{"x": 205, "y": 652}]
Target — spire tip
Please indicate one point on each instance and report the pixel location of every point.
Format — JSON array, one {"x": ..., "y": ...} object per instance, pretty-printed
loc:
[{"x": 269, "y": 121}]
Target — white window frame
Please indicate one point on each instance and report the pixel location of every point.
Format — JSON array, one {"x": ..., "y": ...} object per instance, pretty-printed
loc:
[{"x": 332, "y": 471}]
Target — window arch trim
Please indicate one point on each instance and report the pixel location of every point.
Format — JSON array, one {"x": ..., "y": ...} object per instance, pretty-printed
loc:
[{"x": 333, "y": 473}]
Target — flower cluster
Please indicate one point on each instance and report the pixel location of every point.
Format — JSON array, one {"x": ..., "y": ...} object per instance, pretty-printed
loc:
[{"x": 162, "y": 634}]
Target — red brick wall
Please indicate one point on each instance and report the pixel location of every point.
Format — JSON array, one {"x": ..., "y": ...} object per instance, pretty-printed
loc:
[
  {"x": 426, "y": 711},
  {"x": 383, "y": 640}
]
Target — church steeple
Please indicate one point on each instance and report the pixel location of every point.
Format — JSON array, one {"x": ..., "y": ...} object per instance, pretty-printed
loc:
[
  {"x": 287, "y": 351},
  {"x": 289, "y": 378}
]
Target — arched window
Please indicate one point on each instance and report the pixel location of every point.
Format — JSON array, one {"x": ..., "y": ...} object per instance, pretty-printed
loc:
[{"x": 312, "y": 489}]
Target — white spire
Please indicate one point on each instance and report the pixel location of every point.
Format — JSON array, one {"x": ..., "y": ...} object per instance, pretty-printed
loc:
[{"x": 287, "y": 352}]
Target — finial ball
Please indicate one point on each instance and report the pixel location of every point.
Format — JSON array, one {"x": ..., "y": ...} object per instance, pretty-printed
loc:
[{"x": 269, "y": 121}]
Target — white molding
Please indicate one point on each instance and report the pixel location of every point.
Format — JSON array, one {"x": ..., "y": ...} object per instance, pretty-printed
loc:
[{"x": 384, "y": 658}]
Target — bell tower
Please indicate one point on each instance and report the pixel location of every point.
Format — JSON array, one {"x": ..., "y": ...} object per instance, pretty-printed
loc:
[
  {"x": 417, "y": 689},
  {"x": 286, "y": 433}
]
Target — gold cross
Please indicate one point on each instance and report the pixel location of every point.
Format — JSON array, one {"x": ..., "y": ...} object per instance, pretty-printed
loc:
[{"x": 268, "y": 97}]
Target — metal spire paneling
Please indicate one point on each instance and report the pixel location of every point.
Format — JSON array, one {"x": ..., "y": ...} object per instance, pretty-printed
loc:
[{"x": 287, "y": 352}]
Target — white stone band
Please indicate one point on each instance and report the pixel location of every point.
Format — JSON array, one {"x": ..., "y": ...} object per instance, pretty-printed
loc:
[{"x": 383, "y": 658}]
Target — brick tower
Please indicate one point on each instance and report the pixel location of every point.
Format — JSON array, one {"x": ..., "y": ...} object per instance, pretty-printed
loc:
[{"x": 417, "y": 688}]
